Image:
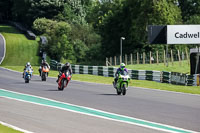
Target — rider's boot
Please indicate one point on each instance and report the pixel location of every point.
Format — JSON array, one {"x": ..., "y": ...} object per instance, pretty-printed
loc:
[
  {"x": 114, "y": 84},
  {"x": 58, "y": 78}
]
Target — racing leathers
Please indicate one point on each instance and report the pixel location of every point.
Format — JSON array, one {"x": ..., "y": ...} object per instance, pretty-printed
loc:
[
  {"x": 64, "y": 69},
  {"x": 119, "y": 70},
  {"x": 42, "y": 65}
]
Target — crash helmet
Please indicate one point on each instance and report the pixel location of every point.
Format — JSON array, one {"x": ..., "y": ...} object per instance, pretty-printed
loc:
[
  {"x": 28, "y": 64},
  {"x": 122, "y": 66},
  {"x": 67, "y": 64}
]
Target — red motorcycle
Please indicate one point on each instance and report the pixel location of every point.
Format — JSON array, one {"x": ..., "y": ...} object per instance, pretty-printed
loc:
[{"x": 64, "y": 80}]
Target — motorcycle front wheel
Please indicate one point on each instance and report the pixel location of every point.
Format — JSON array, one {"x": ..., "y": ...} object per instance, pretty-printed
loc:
[
  {"x": 124, "y": 89},
  {"x": 26, "y": 80},
  {"x": 43, "y": 76}
]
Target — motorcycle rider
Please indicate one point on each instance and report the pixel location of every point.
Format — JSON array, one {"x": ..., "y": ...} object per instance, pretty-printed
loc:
[
  {"x": 121, "y": 68},
  {"x": 44, "y": 63},
  {"x": 64, "y": 69},
  {"x": 28, "y": 64}
]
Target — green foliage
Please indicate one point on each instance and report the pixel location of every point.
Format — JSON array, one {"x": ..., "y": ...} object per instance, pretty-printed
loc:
[
  {"x": 81, "y": 30},
  {"x": 57, "y": 34},
  {"x": 189, "y": 8},
  {"x": 5, "y": 10},
  {"x": 130, "y": 19},
  {"x": 26, "y": 11}
]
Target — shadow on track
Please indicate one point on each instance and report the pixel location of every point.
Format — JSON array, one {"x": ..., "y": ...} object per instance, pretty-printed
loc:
[
  {"x": 108, "y": 94},
  {"x": 53, "y": 90}
]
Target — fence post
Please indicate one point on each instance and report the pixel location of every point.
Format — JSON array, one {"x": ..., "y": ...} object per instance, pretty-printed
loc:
[
  {"x": 164, "y": 58},
  {"x": 131, "y": 59},
  {"x": 138, "y": 58},
  {"x": 157, "y": 58},
  {"x": 106, "y": 61},
  {"x": 172, "y": 57},
  {"x": 179, "y": 58},
  {"x": 111, "y": 61},
  {"x": 187, "y": 56},
  {"x": 150, "y": 58},
  {"x": 143, "y": 57}
]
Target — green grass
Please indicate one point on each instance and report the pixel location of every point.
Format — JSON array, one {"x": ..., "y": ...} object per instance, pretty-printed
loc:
[
  {"x": 108, "y": 80},
  {"x": 176, "y": 67},
  {"x": 5, "y": 129},
  {"x": 19, "y": 49}
]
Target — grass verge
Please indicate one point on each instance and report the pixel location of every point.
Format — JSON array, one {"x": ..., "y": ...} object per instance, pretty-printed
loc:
[
  {"x": 184, "y": 67},
  {"x": 19, "y": 49},
  {"x": 5, "y": 129},
  {"x": 108, "y": 80}
]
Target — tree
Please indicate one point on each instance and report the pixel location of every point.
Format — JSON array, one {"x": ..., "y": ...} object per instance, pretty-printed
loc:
[
  {"x": 5, "y": 10},
  {"x": 57, "y": 34},
  {"x": 26, "y": 11},
  {"x": 130, "y": 20},
  {"x": 189, "y": 8}
]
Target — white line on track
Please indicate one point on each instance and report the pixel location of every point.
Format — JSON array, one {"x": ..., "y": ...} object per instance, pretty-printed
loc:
[
  {"x": 141, "y": 125},
  {"x": 14, "y": 127}
]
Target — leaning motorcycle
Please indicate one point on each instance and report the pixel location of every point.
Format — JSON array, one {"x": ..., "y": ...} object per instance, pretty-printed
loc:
[
  {"x": 28, "y": 74},
  {"x": 64, "y": 80},
  {"x": 44, "y": 73},
  {"x": 122, "y": 83}
]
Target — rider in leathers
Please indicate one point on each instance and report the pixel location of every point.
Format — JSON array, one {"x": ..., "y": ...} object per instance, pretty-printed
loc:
[
  {"x": 64, "y": 69},
  {"x": 122, "y": 68},
  {"x": 44, "y": 63}
]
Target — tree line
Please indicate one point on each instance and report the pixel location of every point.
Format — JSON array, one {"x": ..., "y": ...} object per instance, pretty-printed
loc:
[{"x": 87, "y": 31}]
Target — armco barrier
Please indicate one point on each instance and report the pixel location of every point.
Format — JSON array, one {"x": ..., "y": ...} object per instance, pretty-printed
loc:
[
  {"x": 163, "y": 76},
  {"x": 110, "y": 72}
]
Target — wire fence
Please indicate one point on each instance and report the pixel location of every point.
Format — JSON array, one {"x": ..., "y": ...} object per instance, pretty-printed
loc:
[{"x": 149, "y": 58}]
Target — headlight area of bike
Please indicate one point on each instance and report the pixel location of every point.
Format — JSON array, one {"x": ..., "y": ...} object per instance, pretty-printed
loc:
[
  {"x": 124, "y": 78},
  {"x": 28, "y": 72}
]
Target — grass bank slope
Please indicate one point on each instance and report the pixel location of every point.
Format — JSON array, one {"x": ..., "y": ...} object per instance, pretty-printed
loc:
[{"x": 19, "y": 49}]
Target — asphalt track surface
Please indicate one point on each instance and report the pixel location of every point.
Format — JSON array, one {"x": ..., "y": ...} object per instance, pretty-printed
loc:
[{"x": 175, "y": 109}]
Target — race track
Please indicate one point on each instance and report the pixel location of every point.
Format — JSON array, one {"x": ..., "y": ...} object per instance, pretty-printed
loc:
[
  {"x": 2, "y": 48},
  {"x": 169, "y": 108}
]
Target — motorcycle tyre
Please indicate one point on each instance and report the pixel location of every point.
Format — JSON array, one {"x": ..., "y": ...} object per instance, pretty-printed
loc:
[
  {"x": 124, "y": 89},
  {"x": 62, "y": 85},
  {"x": 43, "y": 77},
  {"x": 26, "y": 80},
  {"x": 118, "y": 91}
]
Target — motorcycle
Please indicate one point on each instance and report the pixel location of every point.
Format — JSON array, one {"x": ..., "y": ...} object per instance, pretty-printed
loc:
[
  {"x": 44, "y": 73},
  {"x": 122, "y": 83},
  {"x": 64, "y": 80},
  {"x": 28, "y": 74}
]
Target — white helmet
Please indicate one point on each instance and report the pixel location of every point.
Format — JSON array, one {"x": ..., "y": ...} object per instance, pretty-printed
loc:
[{"x": 28, "y": 64}]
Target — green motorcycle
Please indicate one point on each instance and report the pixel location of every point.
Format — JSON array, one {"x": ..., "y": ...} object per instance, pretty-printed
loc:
[{"x": 122, "y": 83}]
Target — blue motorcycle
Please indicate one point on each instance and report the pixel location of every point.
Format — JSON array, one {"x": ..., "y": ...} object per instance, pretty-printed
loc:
[{"x": 28, "y": 74}]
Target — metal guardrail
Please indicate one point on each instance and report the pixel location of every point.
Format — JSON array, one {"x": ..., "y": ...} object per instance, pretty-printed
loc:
[{"x": 159, "y": 76}]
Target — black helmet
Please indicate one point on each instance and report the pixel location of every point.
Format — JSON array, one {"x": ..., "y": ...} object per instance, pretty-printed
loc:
[{"x": 67, "y": 64}]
